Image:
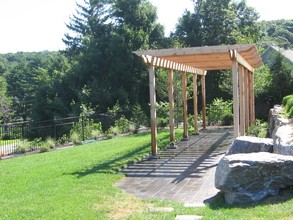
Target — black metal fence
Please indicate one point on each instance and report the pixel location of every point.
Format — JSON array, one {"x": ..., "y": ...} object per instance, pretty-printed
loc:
[{"x": 12, "y": 134}]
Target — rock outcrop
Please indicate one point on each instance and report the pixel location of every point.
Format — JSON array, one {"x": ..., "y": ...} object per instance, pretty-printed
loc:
[
  {"x": 246, "y": 178},
  {"x": 247, "y": 144},
  {"x": 283, "y": 140},
  {"x": 281, "y": 131},
  {"x": 254, "y": 168}
]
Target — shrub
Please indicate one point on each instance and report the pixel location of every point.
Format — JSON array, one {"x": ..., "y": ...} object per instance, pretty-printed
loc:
[
  {"x": 75, "y": 138},
  {"x": 23, "y": 146},
  {"x": 36, "y": 143},
  {"x": 113, "y": 130},
  {"x": 122, "y": 124},
  {"x": 96, "y": 134},
  {"x": 218, "y": 110},
  {"x": 285, "y": 100},
  {"x": 44, "y": 147},
  {"x": 64, "y": 139},
  {"x": 227, "y": 119},
  {"x": 138, "y": 117},
  {"x": 287, "y": 104},
  {"x": 260, "y": 129},
  {"x": 162, "y": 114},
  {"x": 50, "y": 142},
  {"x": 133, "y": 128}
]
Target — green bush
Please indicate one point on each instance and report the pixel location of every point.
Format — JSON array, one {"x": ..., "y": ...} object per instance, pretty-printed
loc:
[
  {"x": 36, "y": 143},
  {"x": 50, "y": 142},
  {"x": 260, "y": 129},
  {"x": 23, "y": 146},
  {"x": 227, "y": 119},
  {"x": 218, "y": 110},
  {"x": 113, "y": 130},
  {"x": 75, "y": 138},
  {"x": 63, "y": 140},
  {"x": 138, "y": 117},
  {"x": 287, "y": 104},
  {"x": 96, "y": 134},
  {"x": 44, "y": 147},
  {"x": 285, "y": 100},
  {"x": 97, "y": 130},
  {"x": 122, "y": 124},
  {"x": 162, "y": 114}
]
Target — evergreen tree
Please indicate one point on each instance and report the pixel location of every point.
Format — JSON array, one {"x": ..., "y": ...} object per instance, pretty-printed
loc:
[
  {"x": 282, "y": 81},
  {"x": 104, "y": 35}
]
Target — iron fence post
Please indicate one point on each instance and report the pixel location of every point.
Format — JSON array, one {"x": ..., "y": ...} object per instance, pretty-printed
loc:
[{"x": 82, "y": 126}]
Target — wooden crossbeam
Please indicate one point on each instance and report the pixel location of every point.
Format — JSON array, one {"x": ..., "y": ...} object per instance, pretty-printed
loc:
[
  {"x": 235, "y": 55},
  {"x": 169, "y": 64}
]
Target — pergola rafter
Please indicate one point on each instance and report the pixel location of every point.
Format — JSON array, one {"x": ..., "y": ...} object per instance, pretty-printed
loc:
[{"x": 242, "y": 59}]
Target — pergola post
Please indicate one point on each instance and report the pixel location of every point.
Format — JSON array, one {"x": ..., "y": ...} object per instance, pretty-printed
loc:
[
  {"x": 242, "y": 100},
  {"x": 251, "y": 99},
  {"x": 184, "y": 96},
  {"x": 171, "y": 105},
  {"x": 152, "y": 85},
  {"x": 203, "y": 99},
  {"x": 246, "y": 88},
  {"x": 235, "y": 97},
  {"x": 195, "y": 112}
]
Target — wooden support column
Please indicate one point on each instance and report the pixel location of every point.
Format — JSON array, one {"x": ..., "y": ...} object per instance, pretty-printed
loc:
[
  {"x": 171, "y": 105},
  {"x": 152, "y": 85},
  {"x": 242, "y": 100},
  {"x": 235, "y": 97},
  {"x": 195, "y": 112},
  {"x": 185, "y": 117},
  {"x": 203, "y": 96},
  {"x": 246, "y": 89},
  {"x": 251, "y": 99}
]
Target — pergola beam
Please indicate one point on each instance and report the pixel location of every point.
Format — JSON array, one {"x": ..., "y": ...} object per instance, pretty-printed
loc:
[
  {"x": 235, "y": 55},
  {"x": 164, "y": 63}
]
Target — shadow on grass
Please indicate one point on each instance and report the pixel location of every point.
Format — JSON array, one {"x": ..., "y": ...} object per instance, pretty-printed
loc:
[
  {"x": 218, "y": 201},
  {"x": 113, "y": 165}
]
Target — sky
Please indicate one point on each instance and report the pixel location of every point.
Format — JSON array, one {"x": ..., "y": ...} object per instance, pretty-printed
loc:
[{"x": 36, "y": 25}]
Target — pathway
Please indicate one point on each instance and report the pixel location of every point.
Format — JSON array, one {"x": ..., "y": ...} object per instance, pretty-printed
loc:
[{"x": 184, "y": 174}]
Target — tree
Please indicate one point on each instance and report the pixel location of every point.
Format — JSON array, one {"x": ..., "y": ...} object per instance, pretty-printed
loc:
[
  {"x": 5, "y": 102},
  {"x": 217, "y": 22},
  {"x": 282, "y": 81},
  {"x": 104, "y": 35}
]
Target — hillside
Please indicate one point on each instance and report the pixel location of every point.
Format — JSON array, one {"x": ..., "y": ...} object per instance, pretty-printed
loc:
[{"x": 278, "y": 32}]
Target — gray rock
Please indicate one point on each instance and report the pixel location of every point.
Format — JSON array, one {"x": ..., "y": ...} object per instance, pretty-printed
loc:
[
  {"x": 246, "y": 178},
  {"x": 247, "y": 144},
  {"x": 283, "y": 140},
  {"x": 274, "y": 115}
]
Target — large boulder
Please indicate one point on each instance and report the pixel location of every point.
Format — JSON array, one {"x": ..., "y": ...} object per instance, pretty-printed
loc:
[
  {"x": 283, "y": 140},
  {"x": 246, "y": 178},
  {"x": 247, "y": 144}
]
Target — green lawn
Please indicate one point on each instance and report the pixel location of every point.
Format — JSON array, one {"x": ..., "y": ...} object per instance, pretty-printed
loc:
[{"x": 77, "y": 183}]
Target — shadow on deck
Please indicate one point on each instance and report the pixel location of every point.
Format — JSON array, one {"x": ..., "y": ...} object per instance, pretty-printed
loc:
[{"x": 184, "y": 174}]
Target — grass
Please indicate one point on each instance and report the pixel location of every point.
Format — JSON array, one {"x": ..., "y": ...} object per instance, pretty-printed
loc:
[{"x": 78, "y": 183}]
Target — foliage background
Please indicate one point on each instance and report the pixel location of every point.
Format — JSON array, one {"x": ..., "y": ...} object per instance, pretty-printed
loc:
[{"x": 98, "y": 68}]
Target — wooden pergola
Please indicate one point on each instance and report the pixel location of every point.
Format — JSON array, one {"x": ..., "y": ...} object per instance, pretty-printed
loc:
[{"x": 242, "y": 59}]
